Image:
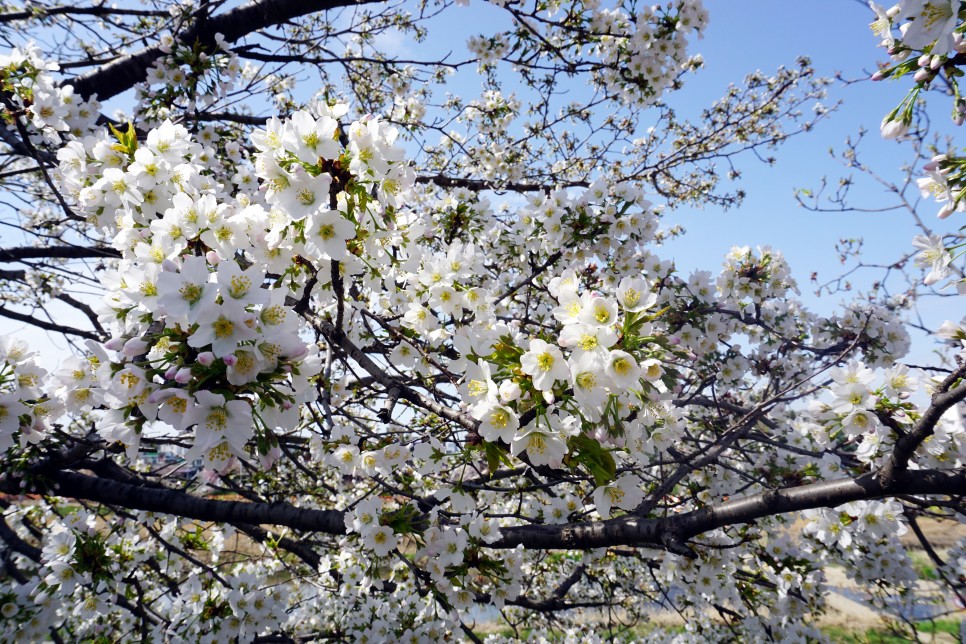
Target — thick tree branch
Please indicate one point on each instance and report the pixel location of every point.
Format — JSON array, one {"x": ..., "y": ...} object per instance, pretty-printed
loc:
[
  {"x": 103, "y": 11},
  {"x": 127, "y": 71},
  {"x": 671, "y": 532},
  {"x": 951, "y": 391},
  {"x": 20, "y": 254},
  {"x": 156, "y": 499}
]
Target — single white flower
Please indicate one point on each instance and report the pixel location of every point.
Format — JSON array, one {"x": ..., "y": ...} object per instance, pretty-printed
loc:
[
  {"x": 623, "y": 369},
  {"x": 932, "y": 23},
  {"x": 381, "y": 540},
  {"x": 543, "y": 447},
  {"x": 624, "y": 493},
  {"x": 933, "y": 256},
  {"x": 545, "y": 363}
]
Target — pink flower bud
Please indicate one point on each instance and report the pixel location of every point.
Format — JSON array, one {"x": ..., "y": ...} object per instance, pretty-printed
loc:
[
  {"x": 206, "y": 358},
  {"x": 171, "y": 372},
  {"x": 936, "y": 63},
  {"x": 923, "y": 76},
  {"x": 924, "y": 60},
  {"x": 287, "y": 404},
  {"x": 134, "y": 347},
  {"x": 879, "y": 75},
  {"x": 230, "y": 359},
  {"x": 183, "y": 376},
  {"x": 298, "y": 352},
  {"x": 115, "y": 344},
  {"x": 212, "y": 257}
]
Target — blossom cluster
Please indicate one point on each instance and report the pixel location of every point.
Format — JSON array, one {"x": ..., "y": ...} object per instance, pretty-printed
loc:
[
  {"x": 27, "y": 410},
  {"x": 930, "y": 44},
  {"x": 31, "y": 97},
  {"x": 204, "y": 336},
  {"x": 443, "y": 372},
  {"x": 639, "y": 54},
  {"x": 189, "y": 77},
  {"x": 864, "y": 534},
  {"x": 928, "y": 41}
]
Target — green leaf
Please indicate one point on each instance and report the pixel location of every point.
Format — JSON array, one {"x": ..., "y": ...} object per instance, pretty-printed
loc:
[
  {"x": 127, "y": 142},
  {"x": 495, "y": 455},
  {"x": 599, "y": 463}
]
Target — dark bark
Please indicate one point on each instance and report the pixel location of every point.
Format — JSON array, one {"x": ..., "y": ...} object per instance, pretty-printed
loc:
[
  {"x": 951, "y": 391},
  {"x": 670, "y": 533},
  {"x": 56, "y": 252},
  {"x": 126, "y": 72},
  {"x": 176, "y": 502}
]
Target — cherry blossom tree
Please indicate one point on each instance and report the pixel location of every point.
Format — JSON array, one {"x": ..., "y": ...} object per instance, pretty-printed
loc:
[{"x": 358, "y": 358}]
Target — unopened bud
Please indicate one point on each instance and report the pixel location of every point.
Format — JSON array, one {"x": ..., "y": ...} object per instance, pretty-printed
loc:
[
  {"x": 924, "y": 60},
  {"x": 206, "y": 358},
  {"x": 936, "y": 62},
  {"x": 212, "y": 257},
  {"x": 879, "y": 75},
  {"x": 134, "y": 347},
  {"x": 115, "y": 344},
  {"x": 298, "y": 352},
  {"x": 923, "y": 76},
  {"x": 230, "y": 359},
  {"x": 171, "y": 372},
  {"x": 183, "y": 376},
  {"x": 509, "y": 391}
]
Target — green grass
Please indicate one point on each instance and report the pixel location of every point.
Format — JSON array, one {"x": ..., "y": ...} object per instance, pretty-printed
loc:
[
  {"x": 886, "y": 636},
  {"x": 924, "y": 567},
  {"x": 834, "y": 633}
]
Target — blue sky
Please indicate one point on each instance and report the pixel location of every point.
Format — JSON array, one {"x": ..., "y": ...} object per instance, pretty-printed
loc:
[{"x": 747, "y": 35}]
